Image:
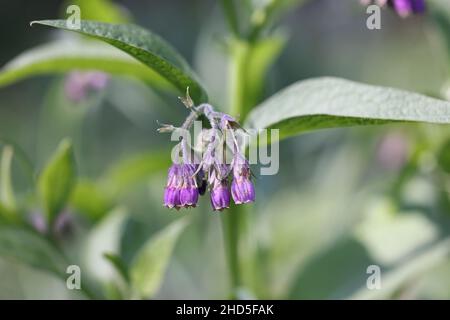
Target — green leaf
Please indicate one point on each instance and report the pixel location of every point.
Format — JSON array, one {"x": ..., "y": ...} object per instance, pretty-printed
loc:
[
  {"x": 64, "y": 56},
  {"x": 330, "y": 102},
  {"x": 104, "y": 238},
  {"x": 28, "y": 247},
  {"x": 6, "y": 190},
  {"x": 148, "y": 268},
  {"x": 146, "y": 47},
  {"x": 407, "y": 272},
  {"x": 90, "y": 200},
  {"x": 57, "y": 180},
  {"x": 118, "y": 264}
]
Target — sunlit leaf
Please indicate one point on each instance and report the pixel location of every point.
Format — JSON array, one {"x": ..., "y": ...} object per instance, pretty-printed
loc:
[
  {"x": 6, "y": 190},
  {"x": 149, "y": 266},
  {"x": 146, "y": 47},
  {"x": 57, "y": 180},
  {"x": 330, "y": 102}
]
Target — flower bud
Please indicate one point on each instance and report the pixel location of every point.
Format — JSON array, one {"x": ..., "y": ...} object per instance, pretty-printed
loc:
[
  {"x": 220, "y": 193},
  {"x": 242, "y": 188}
]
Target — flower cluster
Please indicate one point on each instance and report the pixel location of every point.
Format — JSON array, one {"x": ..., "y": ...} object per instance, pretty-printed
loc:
[
  {"x": 189, "y": 179},
  {"x": 403, "y": 8}
]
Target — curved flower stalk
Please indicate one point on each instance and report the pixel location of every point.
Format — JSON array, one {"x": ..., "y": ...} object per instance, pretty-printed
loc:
[
  {"x": 404, "y": 8},
  {"x": 210, "y": 170}
]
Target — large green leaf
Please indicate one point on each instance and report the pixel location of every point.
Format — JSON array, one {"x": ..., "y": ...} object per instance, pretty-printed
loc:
[
  {"x": 145, "y": 47},
  {"x": 64, "y": 56},
  {"x": 57, "y": 180},
  {"x": 148, "y": 268},
  {"x": 330, "y": 102}
]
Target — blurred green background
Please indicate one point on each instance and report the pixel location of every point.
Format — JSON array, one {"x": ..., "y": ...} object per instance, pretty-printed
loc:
[{"x": 343, "y": 199}]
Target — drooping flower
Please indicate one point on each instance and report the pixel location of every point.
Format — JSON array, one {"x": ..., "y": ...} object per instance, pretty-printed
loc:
[
  {"x": 242, "y": 188},
  {"x": 78, "y": 84},
  {"x": 220, "y": 192},
  {"x": 187, "y": 181},
  {"x": 181, "y": 190}
]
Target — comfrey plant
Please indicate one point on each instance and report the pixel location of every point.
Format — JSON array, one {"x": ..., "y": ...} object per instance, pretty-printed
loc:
[
  {"x": 217, "y": 164},
  {"x": 190, "y": 178}
]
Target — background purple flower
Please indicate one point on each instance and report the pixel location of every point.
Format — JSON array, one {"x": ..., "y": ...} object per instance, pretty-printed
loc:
[{"x": 79, "y": 83}]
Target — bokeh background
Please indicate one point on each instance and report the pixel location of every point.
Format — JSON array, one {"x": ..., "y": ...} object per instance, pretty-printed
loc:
[{"x": 343, "y": 199}]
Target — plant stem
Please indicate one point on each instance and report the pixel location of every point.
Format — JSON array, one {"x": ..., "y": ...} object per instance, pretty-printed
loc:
[
  {"x": 231, "y": 230},
  {"x": 237, "y": 87},
  {"x": 232, "y": 219},
  {"x": 231, "y": 16}
]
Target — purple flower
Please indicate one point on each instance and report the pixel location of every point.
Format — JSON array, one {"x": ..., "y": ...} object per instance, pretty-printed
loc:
[
  {"x": 38, "y": 222},
  {"x": 181, "y": 190},
  {"x": 242, "y": 188},
  {"x": 64, "y": 225},
  {"x": 78, "y": 84},
  {"x": 220, "y": 193},
  {"x": 403, "y": 8},
  {"x": 392, "y": 151}
]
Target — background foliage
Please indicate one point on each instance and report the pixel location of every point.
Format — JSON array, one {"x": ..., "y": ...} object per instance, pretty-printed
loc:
[{"x": 344, "y": 198}]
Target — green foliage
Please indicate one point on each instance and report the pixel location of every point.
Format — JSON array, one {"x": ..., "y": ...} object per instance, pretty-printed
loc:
[
  {"x": 132, "y": 170},
  {"x": 26, "y": 246},
  {"x": 57, "y": 180},
  {"x": 329, "y": 102},
  {"x": 444, "y": 157},
  {"x": 250, "y": 64},
  {"x": 148, "y": 268},
  {"x": 146, "y": 47},
  {"x": 325, "y": 234},
  {"x": 64, "y": 56},
  {"x": 7, "y": 198},
  {"x": 95, "y": 198},
  {"x": 90, "y": 200},
  {"x": 119, "y": 265}
]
